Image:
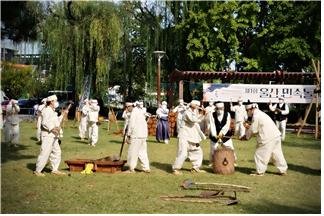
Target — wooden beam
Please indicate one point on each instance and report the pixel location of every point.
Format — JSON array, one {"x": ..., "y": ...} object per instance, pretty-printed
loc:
[{"x": 306, "y": 115}]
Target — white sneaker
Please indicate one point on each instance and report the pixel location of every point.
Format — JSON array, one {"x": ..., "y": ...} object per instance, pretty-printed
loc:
[
  {"x": 176, "y": 172},
  {"x": 58, "y": 173},
  {"x": 256, "y": 174},
  {"x": 166, "y": 141},
  {"x": 39, "y": 174},
  {"x": 129, "y": 171},
  {"x": 197, "y": 170},
  {"x": 147, "y": 171}
]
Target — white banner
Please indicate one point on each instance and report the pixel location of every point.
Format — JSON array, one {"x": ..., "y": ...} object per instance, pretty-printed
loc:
[{"x": 261, "y": 93}]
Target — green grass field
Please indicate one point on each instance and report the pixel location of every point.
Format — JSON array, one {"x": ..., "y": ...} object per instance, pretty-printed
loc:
[{"x": 22, "y": 192}]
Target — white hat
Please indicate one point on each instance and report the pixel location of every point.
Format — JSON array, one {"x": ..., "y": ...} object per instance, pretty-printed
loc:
[
  {"x": 219, "y": 105},
  {"x": 196, "y": 102},
  {"x": 164, "y": 103},
  {"x": 128, "y": 104},
  {"x": 93, "y": 101},
  {"x": 13, "y": 101},
  {"x": 52, "y": 98}
]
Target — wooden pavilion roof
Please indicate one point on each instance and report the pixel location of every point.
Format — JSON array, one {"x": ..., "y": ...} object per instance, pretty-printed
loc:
[{"x": 178, "y": 75}]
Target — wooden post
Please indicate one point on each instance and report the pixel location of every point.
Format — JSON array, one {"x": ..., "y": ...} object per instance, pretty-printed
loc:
[
  {"x": 316, "y": 120},
  {"x": 305, "y": 118},
  {"x": 315, "y": 96},
  {"x": 181, "y": 89},
  {"x": 318, "y": 86}
]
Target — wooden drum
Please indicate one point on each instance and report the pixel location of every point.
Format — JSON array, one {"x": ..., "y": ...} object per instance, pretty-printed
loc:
[{"x": 224, "y": 161}]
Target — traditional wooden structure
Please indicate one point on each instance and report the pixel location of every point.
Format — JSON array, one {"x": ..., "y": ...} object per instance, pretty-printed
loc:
[
  {"x": 277, "y": 76},
  {"x": 315, "y": 99}
]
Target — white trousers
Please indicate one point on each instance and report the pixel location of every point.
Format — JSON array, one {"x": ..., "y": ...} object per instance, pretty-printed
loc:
[
  {"x": 38, "y": 125},
  {"x": 93, "y": 133},
  {"x": 50, "y": 150},
  {"x": 214, "y": 146},
  {"x": 137, "y": 149},
  {"x": 11, "y": 133},
  {"x": 190, "y": 150},
  {"x": 239, "y": 129},
  {"x": 83, "y": 127},
  {"x": 281, "y": 125},
  {"x": 270, "y": 150}
]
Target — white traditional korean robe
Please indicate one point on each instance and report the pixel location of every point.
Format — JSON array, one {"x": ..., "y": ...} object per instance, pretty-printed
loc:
[
  {"x": 189, "y": 138},
  {"x": 50, "y": 148},
  {"x": 268, "y": 143},
  {"x": 11, "y": 125},
  {"x": 137, "y": 134}
]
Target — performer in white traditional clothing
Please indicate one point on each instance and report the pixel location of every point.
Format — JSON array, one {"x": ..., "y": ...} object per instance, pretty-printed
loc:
[
  {"x": 50, "y": 131},
  {"x": 83, "y": 127},
  {"x": 219, "y": 126},
  {"x": 126, "y": 115},
  {"x": 268, "y": 141},
  {"x": 93, "y": 116},
  {"x": 136, "y": 136},
  {"x": 180, "y": 109},
  {"x": 39, "y": 118},
  {"x": 11, "y": 124},
  {"x": 281, "y": 111},
  {"x": 162, "y": 127},
  {"x": 240, "y": 118},
  {"x": 210, "y": 108},
  {"x": 189, "y": 139}
]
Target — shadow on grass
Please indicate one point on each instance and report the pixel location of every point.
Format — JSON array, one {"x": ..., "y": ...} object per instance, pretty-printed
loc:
[
  {"x": 32, "y": 167},
  {"x": 245, "y": 170},
  {"x": 309, "y": 145},
  {"x": 33, "y": 138},
  {"x": 76, "y": 137},
  {"x": 10, "y": 153},
  {"x": 304, "y": 170},
  {"x": 167, "y": 167},
  {"x": 275, "y": 208},
  {"x": 85, "y": 142},
  {"x": 116, "y": 141}
]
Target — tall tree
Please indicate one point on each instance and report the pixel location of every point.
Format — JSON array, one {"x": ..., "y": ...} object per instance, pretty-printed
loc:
[
  {"x": 82, "y": 39},
  {"x": 20, "y": 20}
]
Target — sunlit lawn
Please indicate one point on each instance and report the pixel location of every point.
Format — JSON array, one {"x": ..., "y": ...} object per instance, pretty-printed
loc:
[{"x": 22, "y": 192}]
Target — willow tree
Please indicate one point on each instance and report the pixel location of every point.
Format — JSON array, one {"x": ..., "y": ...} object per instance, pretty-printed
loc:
[{"x": 82, "y": 39}]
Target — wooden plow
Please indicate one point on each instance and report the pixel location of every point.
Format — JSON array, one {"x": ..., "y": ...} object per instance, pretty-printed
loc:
[{"x": 211, "y": 193}]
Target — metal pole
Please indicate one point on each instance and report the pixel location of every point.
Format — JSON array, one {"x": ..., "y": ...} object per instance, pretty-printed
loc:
[
  {"x": 158, "y": 77},
  {"x": 158, "y": 88}
]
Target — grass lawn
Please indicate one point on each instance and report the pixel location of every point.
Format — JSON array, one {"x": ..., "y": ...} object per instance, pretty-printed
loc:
[{"x": 22, "y": 192}]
